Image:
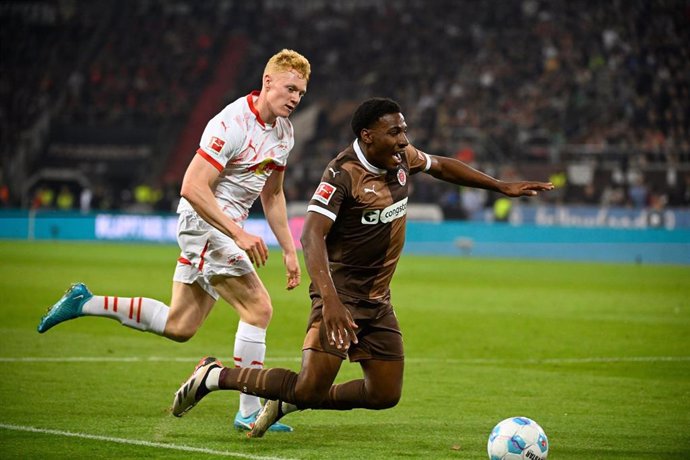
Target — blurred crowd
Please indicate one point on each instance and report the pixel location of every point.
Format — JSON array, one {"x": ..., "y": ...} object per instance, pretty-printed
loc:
[{"x": 592, "y": 95}]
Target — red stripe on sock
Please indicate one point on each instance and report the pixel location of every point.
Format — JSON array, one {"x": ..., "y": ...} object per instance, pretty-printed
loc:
[
  {"x": 105, "y": 304},
  {"x": 139, "y": 310},
  {"x": 257, "y": 363},
  {"x": 115, "y": 304},
  {"x": 131, "y": 307}
]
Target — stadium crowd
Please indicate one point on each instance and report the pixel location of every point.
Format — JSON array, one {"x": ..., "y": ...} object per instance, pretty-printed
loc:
[{"x": 593, "y": 95}]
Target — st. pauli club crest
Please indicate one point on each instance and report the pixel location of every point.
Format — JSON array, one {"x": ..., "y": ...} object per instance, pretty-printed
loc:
[{"x": 402, "y": 177}]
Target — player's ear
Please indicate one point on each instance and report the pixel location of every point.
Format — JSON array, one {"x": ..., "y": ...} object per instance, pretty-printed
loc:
[
  {"x": 267, "y": 81},
  {"x": 365, "y": 136}
]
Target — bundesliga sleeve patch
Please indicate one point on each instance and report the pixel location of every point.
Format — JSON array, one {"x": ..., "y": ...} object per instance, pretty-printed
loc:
[
  {"x": 216, "y": 144},
  {"x": 323, "y": 193}
]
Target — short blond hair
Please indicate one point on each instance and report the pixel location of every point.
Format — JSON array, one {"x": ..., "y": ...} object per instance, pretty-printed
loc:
[{"x": 286, "y": 60}]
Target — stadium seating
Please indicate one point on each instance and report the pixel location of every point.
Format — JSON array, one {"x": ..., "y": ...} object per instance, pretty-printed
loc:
[{"x": 527, "y": 87}]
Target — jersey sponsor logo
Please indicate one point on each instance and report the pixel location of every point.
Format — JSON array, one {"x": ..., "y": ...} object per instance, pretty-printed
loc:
[
  {"x": 402, "y": 177},
  {"x": 216, "y": 144},
  {"x": 388, "y": 214},
  {"x": 266, "y": 166},
  {"x": 371, "y": 216},
  {"x": 324, "y": 192}
]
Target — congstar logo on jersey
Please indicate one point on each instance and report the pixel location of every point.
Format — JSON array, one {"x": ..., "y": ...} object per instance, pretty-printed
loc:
[{"x": 389, "y": 214}]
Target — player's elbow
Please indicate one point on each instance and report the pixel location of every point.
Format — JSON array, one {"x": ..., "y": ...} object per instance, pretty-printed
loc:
[
  {"x": 187, "y": 192},
  {"x": 307, "y": 240}
]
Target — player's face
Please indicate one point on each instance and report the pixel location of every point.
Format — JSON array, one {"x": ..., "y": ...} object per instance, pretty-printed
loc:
[
  {"x": 386, "y": 141},
  {"x": 284, "y": 91}
]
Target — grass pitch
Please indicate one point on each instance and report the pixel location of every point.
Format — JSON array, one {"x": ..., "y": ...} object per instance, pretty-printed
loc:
[{"x": 598, "y": 354}]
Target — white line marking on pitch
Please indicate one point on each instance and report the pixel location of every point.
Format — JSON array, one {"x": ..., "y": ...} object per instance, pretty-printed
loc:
[
  {"x": 143, "y": 359},
  {"x": 137, "y": 442}
]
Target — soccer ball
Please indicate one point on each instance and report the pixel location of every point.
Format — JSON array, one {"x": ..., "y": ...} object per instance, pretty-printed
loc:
[{"x": 517, "y": 438}]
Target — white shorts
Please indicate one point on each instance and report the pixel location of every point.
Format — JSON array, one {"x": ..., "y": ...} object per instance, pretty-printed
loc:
[{"x": 206, "y": 252}]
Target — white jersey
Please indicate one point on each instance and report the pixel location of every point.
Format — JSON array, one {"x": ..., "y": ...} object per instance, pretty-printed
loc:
[{"x": 245, "y": 151}]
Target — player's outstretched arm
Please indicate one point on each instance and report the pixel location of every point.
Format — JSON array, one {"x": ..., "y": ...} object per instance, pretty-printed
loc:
[
  {"x": 523, "y": 188},
  {"x": 457, "y": 172}
]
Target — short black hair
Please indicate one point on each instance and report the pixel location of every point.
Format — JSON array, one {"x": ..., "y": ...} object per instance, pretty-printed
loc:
[{"x": 370, "y": 111}]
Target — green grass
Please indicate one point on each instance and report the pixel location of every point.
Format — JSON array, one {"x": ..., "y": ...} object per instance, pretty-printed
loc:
[{"x": 598, "y": 354}]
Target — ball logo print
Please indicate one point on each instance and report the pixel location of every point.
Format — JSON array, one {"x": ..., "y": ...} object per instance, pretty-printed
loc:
[{"x": 517, "y": 438}]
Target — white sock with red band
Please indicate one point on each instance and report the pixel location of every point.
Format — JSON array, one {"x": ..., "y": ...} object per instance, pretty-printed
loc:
[
  {"x": 136, "y": 312},
  {"x": 250, "y": 350}
]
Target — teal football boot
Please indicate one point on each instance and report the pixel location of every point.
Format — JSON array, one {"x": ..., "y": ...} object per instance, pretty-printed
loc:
[
  {"x": 68, "y": 307},
  {"x": 247, "y": 423}
]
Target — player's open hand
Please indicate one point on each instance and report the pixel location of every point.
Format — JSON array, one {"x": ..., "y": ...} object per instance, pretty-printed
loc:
[
  {"x": 524, "y": 188},
  {"x": 254, "y": 246},
  {"x": 340, "y": 327},
  {"x": 293, "y": 270}
]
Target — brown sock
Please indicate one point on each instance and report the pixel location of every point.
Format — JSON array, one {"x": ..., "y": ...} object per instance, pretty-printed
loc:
[
  {"x": 270, "y": 383},
  {"x": 345, "y": 396}
]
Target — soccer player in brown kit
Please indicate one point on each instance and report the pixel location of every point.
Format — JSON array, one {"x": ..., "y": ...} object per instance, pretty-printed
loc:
[{"x": 353, "y": 236}]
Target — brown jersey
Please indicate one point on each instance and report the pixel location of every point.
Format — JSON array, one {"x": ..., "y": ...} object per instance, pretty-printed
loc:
[{"x": 368, "y": 206}]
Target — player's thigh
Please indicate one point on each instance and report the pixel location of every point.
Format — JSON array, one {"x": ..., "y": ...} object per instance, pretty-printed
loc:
[{"x": 189, "y": 306}]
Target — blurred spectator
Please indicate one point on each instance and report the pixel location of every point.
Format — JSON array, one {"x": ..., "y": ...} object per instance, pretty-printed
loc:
[
  {"x": 4, "y": 194},
  {"x": 44, "y": 196},
  {"x": 65, "y": 198},
  {"x": 85, "y": 199},
  {"x": 502, "y": 208},
  {"x": 638, "y": 193}
]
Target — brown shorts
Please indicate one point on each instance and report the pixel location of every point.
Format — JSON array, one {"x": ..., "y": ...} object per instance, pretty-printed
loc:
[{"x": 378, "y": 334}]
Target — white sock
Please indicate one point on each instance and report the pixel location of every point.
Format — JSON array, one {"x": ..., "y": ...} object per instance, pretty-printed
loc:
[
  {"x": 213, "y": 378},
  {"x": 250, "y": 350},
  {"x": 137, "y": 312}
]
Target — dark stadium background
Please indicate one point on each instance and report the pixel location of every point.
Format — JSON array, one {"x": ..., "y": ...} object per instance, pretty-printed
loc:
[
  {"x": 104, "y": 102},
  {"x": 111, "y": 95}
]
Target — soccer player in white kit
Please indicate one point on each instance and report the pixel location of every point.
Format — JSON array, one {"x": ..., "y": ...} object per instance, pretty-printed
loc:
[{"x": 242, "y": 155}]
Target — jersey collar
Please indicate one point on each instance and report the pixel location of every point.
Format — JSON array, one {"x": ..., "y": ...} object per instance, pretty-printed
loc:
[
  {"x": 252, "y": 107},
  {"x": 368, "y": 166}
]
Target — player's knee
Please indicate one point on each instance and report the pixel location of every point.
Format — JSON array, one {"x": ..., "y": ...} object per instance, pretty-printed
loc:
[
  {"x": 259, "y": 315},
  {"x": 179, "y": 333},
  {"x": 309, "y": 397},
  {"x": 384, "y": 400}
]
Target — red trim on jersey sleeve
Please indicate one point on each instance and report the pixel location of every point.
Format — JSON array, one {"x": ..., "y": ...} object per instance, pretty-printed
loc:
[
  {"x": 210, "y": 159},
  {"x": 250, "y": 101}
]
